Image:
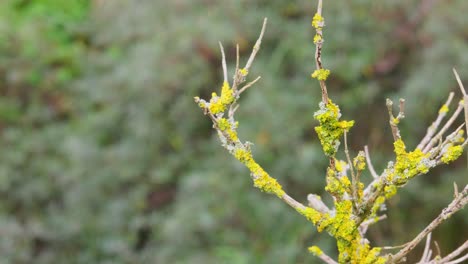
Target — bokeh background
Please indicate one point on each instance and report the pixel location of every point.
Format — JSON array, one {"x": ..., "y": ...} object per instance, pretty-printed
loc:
[{"x": 105, "y": 158}]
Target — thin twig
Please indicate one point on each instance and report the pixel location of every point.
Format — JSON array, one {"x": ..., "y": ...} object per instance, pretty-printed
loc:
[
  {"x": 465, "y": 97},
  {"x": 424, "y": 257},
  {"x": 444, "y": 128},
  {"x": 249, "y": 84},
  {"x": 326, "y": 258},
  {"x": 462, "y": 88},
  {"x": 433, "y": 127},
  {"x": 256, "y": 47},
  {"x": 237, "y": 58},
  {"x": 318, "y": 56},
  {"x": 459, "y": 260},
  {"x": 450, "y": 139},
  {"x": 454, "y": 253},
  {"x": 353, "y": 175},
  {"x": 393, "y": 121},
  {"x": 365, "y": 225},
  {"x": 437, "y": 248},
  {"x": 369, "y": 163},
  {"x": 225, "y": 75},
  {"x": 401, "y": 113}
]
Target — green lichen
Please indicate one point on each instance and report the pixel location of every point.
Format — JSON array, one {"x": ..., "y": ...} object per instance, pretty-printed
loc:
[
  {"x": 452, "y": 153},
  {"x": 330, "y": 129},
  {"x": 337, "y": 185}
]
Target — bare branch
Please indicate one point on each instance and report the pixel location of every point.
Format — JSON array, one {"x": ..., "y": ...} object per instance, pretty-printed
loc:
[
  {"x": 353, "y": 175},
  {"x": 225, "y": 75},
  {"x": 459, "y": 260},
  {"x": 462, "y": 88},
  {"x": 456, "y": 205},
  {"x": 395, "y": 120},
  {"x": 315, "y": 201},
  {"x": 401, "y": 114},
  {"x": 465, "y": 97},
  {"x": 433, "y": 128},
  {"x": 369, "y": 163},
  {"x": 249, "y": 84},
  {"x": 365, "y": 225},
  {"x": 256, "y": 47},
  {"x": 425, "y": 256},
  {"x": 454, "y": 253},
  {"x": 326, "y": 258},
  {"x": 318, "y": 56},
  {"x": 237, "y": 59}
]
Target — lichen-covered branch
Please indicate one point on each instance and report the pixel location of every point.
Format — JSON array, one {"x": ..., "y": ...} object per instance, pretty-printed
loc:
[
  {"x": 355, "y": 206},
  {"x": 217, "y": 107}
]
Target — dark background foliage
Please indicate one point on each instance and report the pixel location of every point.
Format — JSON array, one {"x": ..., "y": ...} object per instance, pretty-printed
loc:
[{"x": 106, "y": 159}]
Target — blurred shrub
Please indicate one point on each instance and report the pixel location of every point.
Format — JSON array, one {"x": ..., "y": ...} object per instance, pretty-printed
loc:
[{"x": 106, "y": 158}]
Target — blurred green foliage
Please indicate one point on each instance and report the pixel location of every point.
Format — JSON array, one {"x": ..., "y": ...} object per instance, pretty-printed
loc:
[{"x": 106, "y": 159}]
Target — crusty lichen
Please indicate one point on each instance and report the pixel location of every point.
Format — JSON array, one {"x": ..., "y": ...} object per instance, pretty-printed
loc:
[
  {"x": 262, "y": 179},
  {"x": 452, "y": 153},
  {"x": 359, "y": 161},
  {"x": 330, "y": 129},
  {"x": 311, "y": 214},
  {"x": 315, "y": 250},
  {"x": 228, "y": 128},
  {"x": 337, "y": 183},
  {"x": 408, "y": 164},
  {"x": 218, "y": 104},
  {"x": 351, "y": 247},
  {"x": 320, "y": 74},
  {"x": 444, "y": 109}
]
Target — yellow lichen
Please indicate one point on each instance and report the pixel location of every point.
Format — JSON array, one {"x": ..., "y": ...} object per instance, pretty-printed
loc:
[
  {"x": 244, "y": 72},
  {"x": 408, "y": 164},
  {"x": 444, "y": 109},
  {"x": 340, "y": 166},
  {"x": 330, "y": 129},
  {"x": 321, "y": 74},
  {"x": 317, "y": 21},
  {"x": 349, "y": 241},
  {"x": 337, "y": 184},
  {"x": 390, "y": 191},
  {"x": 452, "y": 153},
  {"x": 315, "y": 250},
  {"x": 376, "y": 206},
  {"x": 262, "y": 180},
  {"x": 219, "y": 104},
  {"x": 223, "y": 124},
  {"x": 310, "y": 214},
  {"x": 359, "y": 161},
  {"x": 317, "y": 38}
]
